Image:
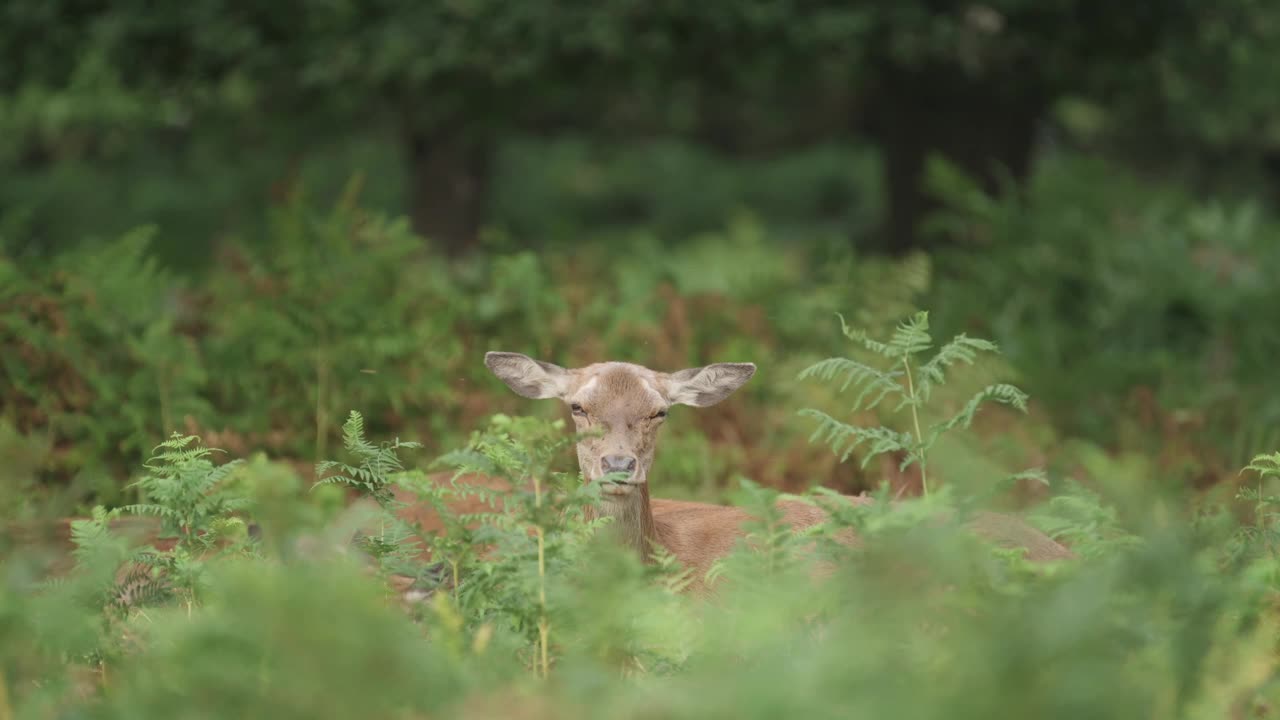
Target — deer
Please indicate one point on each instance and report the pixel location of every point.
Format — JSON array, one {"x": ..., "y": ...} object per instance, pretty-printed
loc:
[{"x": 618, "y": 408}]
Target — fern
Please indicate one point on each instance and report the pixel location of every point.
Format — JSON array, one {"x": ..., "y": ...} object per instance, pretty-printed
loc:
[
  {"x": 961, "y": 349},
  {"x": 1001, "y": 392},
  {"x": 1262, "y": 538},
  {"x": 909, "y": 381},
  {"x": 185, "y": 490},
  {"x": 845, "y": 438},
  {"x": 880, "y": 383},
  {"x": 396, "y": 544},
  {"x": 666, "y": 567},
  {"x": 92, "y": 538},
  {"x": 141, "y": 586},
  {"x": 376, "y": 463},
  {"x": 1266, "y": 465},
  {"x": 538, "y": 539}
]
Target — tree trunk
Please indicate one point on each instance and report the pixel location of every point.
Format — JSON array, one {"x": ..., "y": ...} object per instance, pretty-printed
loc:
[
  {"x": 986, "y": 127},
  {"x": 449, "y": 174}
]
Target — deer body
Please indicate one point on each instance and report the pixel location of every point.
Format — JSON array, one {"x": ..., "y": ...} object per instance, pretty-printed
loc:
[
  {"x": 625, "y": 405},
  {"x": 697, "y": 534}
]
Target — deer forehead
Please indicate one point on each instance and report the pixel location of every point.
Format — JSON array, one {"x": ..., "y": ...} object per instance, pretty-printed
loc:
[{"x": 618, "y": 389}]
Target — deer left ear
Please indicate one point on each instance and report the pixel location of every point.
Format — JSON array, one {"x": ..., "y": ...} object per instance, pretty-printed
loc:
[{"x": 707, "y": 385}]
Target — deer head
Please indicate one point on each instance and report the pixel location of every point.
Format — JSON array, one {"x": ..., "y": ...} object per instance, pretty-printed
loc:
[{"x": 619, "y": 406}]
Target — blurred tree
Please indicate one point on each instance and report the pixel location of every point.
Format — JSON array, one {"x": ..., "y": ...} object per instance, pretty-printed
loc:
[
  {"x": 1169, "y": 80},
  {"x": 450, "y": 79},
  {"x": 975, "y": 82}
]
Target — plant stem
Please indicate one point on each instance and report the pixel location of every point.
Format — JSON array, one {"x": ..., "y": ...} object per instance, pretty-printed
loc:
[
  {"x": 6, "y": 710},
  {"x": 453, "y": 565},
  {"x": 915, "y": 419},
  {"x": 322, "y": 421},
  {"x": 166, "y": 419},
  {"x": 543, "y": 628},
  {"x": 1261, "y": 512}
]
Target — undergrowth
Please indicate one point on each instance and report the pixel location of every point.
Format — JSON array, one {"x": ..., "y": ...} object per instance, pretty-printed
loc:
[
  {"x": 105, "y": 352},
  {"x": 531, "y": 608}
]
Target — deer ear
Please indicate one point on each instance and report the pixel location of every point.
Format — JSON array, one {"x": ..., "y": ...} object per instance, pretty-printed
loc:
[
  {"x": 707, "y": 385},
  {"x": 528, "y": 377}
]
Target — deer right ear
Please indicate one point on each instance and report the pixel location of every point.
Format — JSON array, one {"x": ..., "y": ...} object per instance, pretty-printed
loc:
[
  {"x": 528, "y": 377},
  {"x": 703, "y": 386}
]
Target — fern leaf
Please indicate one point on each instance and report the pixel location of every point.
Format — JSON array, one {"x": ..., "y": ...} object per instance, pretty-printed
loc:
[
  {"x": 961, "y": 349},
  {"x": 1036, "y": 474},
  {"x": 1000, "y": 392},
  {"x": 861, "y": 337},
  {"x": 150, "y": 509},
  {"x": 1265, "y": 465},
  {"x": 871, "y": 380},
  {"x": 212, "y": 477},
  {"x": 845, "y": 438},
  {"x": 911, "y": 337}
]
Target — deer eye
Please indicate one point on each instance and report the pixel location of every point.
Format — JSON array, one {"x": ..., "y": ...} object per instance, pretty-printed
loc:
[
  {"x": 576, "y": 409},
  {"x": 659, "y": 414}
]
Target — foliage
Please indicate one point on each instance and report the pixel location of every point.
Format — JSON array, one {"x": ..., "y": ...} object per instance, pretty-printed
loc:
[
  {"x": 376, "y": 466},
  {"x": 121, "y": 86},
  {"x": 303, "y": 312},
  {"x": 919, "y": 620},
  {"x": 90, "y": 336},
  {"x": 1171, "y": 287},
  {"x": 186, "y": 491},
  {"x": 1261, "y": 537},
  {"x": 512, "y": 591},
  {"x": 687, "y": 215},
  {"x": 910, "y": 380},
  {"x": 196, "y": 507},
  {"x": 330, "y": 309}
]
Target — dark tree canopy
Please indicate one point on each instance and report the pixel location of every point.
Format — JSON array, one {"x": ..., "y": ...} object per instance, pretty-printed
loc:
[{"x": 973, "y": 82}]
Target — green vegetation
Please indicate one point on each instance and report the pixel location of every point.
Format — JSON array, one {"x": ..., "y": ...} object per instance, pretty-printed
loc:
[
  {"x": 1165, "y": 622},
  {"x": 251, "y": 259},
  {"x": 1167, "y": 612},
  {"x": 912, "y": 387}
]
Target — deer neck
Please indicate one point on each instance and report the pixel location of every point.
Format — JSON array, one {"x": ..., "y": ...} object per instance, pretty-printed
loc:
[{"x": 632, "y": 521}]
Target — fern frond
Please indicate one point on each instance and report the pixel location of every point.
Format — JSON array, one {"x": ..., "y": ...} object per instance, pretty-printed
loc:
[
  {"x": 961, "y": 349},
  {"x": 466, "y": 460},
  {"x": 911, "y": 337},
  {"x": 142, "y": 586},
  {"x": 1265, "y": 465},
  {"x": 873, "y": 381},
  {"x": 93, "y": 535},
  {"x": 377, "y": 464},
  {"x": 353, "y": 434},
  {"x": 1000, "y": 392},
  {"x": 1036, "y": 474},
  {"x": 176, "y": 452},
  {"x": 159, "y": 511},
  {"x": 845, "y": 438},
  {"x": 861, "y": 337}
]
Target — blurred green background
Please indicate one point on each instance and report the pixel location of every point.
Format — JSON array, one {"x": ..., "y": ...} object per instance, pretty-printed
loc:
[{"x": 244, "y": 222}]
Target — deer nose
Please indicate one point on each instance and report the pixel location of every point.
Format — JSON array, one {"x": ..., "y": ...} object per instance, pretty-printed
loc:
[{"x": 618, "y": 464}]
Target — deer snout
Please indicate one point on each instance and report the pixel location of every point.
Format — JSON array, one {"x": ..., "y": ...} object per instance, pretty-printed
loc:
[{"x": 624, "y": 464}]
